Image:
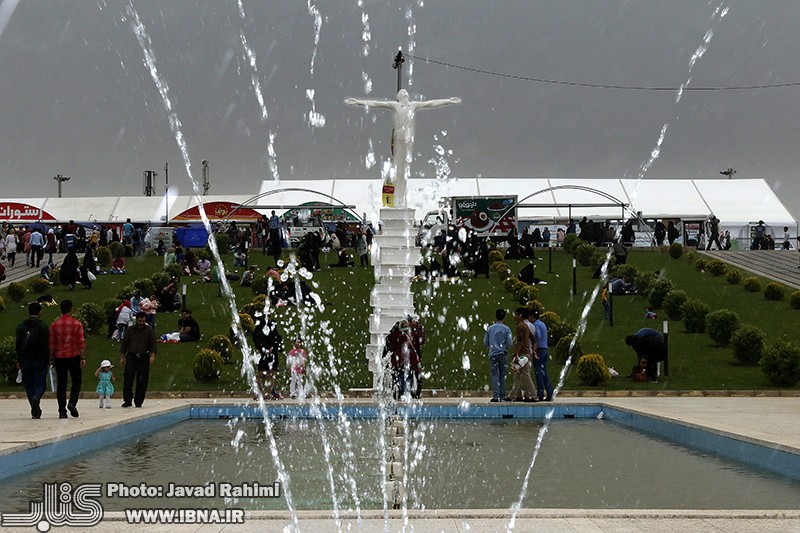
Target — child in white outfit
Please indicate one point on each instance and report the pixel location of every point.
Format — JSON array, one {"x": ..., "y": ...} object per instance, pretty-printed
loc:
[
  {"x": 296, "y": 362},
  {"x": 105, "y": 387}
]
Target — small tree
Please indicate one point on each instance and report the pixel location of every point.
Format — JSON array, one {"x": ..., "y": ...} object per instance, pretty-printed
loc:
[
  {"x": 527, "y": 293},
  {"x": 675, "y": 250},
  {"x": 660, "y": 290},
  {"x": 694, "y": 315},
  {"x": 690, "y": 257},
  {"x": 592, "y": 370},
  {"x": 747, "y": 343},
  {"x": 781, "y": 363},
  {"x": 92, "y": 315},
  {"x": 38, "y": 285},
  {"x": 104, "y": 256},
  {"x": 721, "y": 324}
]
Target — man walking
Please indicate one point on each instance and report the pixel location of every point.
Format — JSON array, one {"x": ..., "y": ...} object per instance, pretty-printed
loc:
[
  {"x": 136, "y": 353},
  {"x": 523, "y": 389},
  {"x": 33, "y": 358},
  {"x": 498, "y": 339},
  {"x": 540, "y": 358},
  {"x": 37, "y": 247},
  {"x": 67, "y": 347}
]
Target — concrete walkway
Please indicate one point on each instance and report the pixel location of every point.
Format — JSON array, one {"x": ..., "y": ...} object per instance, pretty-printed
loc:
[
  {"x": 757, "y": 419},
  {"x": 782, "y": 266}
]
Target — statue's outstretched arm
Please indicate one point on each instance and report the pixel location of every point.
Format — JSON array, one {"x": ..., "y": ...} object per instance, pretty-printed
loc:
[
  {"x": 371, "y": 103},
  {"x": 437, "y": 103}
]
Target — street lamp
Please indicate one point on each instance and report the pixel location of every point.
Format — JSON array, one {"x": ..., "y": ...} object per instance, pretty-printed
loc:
[
  {"x": 730, "y": 172},
  {"x": 60, "y": 179}
]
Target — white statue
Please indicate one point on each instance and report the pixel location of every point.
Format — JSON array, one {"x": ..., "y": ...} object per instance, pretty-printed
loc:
[{"x": 403, "y": 135}]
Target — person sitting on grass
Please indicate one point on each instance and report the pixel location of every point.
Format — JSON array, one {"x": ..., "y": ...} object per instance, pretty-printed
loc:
[
  {"x": 118, "y": 265},
  {"x": 203, "y": 267},
  {"x": 188, "y": 328},
  {"x": 249, "y": 276}
]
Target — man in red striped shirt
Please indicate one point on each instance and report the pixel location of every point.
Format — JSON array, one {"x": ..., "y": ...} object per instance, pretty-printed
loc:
[{"x": 67, "y": 347}]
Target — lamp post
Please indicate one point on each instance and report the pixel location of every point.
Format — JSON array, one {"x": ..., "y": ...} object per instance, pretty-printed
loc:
[
  {"x": 61, "y": 179},
  {"x": 730, "y": 172}
]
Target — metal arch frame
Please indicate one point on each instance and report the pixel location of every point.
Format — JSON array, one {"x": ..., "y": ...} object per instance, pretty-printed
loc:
[
  {"x": 247, "y": 202},
  {"x": 624, "y": 206}
]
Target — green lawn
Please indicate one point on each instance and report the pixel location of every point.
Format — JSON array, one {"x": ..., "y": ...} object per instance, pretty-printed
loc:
[{"x": 454, "y": 315}]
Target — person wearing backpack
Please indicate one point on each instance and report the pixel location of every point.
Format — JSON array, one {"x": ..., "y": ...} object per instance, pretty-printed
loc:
[{"x": 33, "y": 357}]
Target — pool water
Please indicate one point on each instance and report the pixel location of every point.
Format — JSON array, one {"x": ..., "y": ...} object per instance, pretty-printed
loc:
[{"x": 583, "y": 464}]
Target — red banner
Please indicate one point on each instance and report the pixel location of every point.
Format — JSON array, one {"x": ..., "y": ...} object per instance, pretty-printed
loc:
[
  {"x": 17, "y": 212},
  {"x": 219, "y": 211}
]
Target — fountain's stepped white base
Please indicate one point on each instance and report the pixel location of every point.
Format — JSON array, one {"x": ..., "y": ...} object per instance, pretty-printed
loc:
[{"x": 391, "y": 298}]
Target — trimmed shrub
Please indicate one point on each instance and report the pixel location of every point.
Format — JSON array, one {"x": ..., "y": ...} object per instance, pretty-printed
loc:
[
  {"x": 516, "y": 287},
  {"x": 93, "y": 317},
  {"x": 145, "y": 286},
  {"x": 207, "y": 365},
  {"x": 104, "y": 256},
  {"x": 570, "y": 241},
  {"x": 260, "y": 285},
  {"x": 673, "y": 302},
  {"x": 535, "y": 305},
  {"x": 562, "y": 349},
  {"x": 528, "y": 293},
  {"x": 550, "y": 319},
  {"x": 675, "y": 250},
  {"x": 734, "y": 277},
  {"x": 160, "y": 280},
  {"x": 248, "y": 325},
  {"x": 38, "y": 285},
  {"x": 625, "y": 271},
  {"x": 592, "y": 370},
  {"x": 117, "y": 249},
  {"x": 644, "y": 281},
  {"x": 55, "y": 276},
  {"x": 716, "y": 267},
  {"x": 256, "y": 306},
  {"x": 497, "y": 266},
  {"x": 774, "y": 291},
  {"x": 584, "y": 253},
  {"x": 747, "y": 343},
  {"x": 504, "y": 273},
  {"x": 781, "y": 363},
  {"x": 125, "y": 293},
  {"x": 223, "y": 346},
  {"x": 2, "y": 304},
  {"x": 16, "y": 292},
  {"x": 701, "y": 264},
  {"x": 109, "y": 308},
  {"x": 558, "y": 332},
  {"x": 752, "y": 284},
  {"x": 694, "y": 315},
  {"x": 173, "y": 270},
  {"x": 222, "y": 243},
  {"x": 205, "y": 253},
  {"x": 690, "y": 257},
  {"x": 8, "y": 359},
  {"x": 794, "y": 300},
  {"x": 495, "y": 255},
  {"x": 721, "y": 325},
  {"x": 661, "y": 288},
  {"x": 128, "y": 250}
]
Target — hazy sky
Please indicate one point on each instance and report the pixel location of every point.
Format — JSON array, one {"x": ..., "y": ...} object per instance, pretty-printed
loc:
[{"x": 76, "y": 97}]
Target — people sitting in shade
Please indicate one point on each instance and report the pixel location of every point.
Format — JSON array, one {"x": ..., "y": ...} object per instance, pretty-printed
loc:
[
  {"x": 118, "y": 265},
  {"x": 188, "y": 328}
]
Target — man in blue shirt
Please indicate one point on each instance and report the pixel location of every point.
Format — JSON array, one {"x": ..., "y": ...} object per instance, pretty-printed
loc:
[
  {"x": 127, "y": 232},
  {"x": 540, "y": 357},
  {"x": 498, "y": 339}
]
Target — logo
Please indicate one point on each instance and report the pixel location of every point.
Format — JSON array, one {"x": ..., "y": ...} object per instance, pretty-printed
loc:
[{"x": 61, "y": 505}]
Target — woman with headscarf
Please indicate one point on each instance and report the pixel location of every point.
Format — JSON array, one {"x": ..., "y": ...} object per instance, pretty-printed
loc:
[
  {"x": 50, "y": 245},
  {"x": 88, "y": 266},
  {"x": 69, "y": 273}
]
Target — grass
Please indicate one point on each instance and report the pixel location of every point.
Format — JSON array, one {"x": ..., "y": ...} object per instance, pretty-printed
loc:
[{"x": 454, "y": 315}]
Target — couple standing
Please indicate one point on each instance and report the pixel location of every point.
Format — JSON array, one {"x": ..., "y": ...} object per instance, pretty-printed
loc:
[{"x": 530, "y": 349}]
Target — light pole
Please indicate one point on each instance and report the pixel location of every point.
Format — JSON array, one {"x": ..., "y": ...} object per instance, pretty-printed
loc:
[
  {"x": 61, "y": 179},
  {"x": 730, "y": 172}
]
